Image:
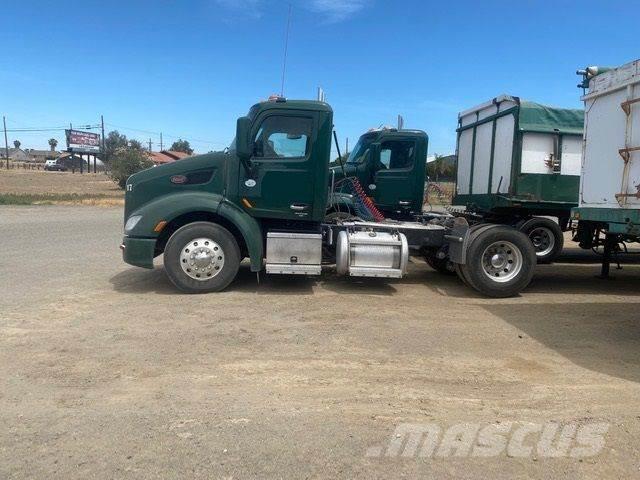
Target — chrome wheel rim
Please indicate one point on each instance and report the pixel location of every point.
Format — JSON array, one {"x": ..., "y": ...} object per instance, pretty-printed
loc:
[
  {"x": 543, "y": 240},
  {"x": 202, "y": 259},
  {"x": 502, "y": 261}
]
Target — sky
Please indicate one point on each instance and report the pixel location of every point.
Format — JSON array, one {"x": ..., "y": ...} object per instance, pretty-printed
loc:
[{"x": 190, "y": 68}]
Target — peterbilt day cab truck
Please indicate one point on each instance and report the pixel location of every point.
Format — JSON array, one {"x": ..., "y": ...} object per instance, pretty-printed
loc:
[{"x": 265, "y": 198}]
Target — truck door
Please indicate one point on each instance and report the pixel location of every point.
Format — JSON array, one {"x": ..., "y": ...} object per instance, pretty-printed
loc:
[
  {"x": 395, "y": 179},
  {"x": 283, "y": 182}
]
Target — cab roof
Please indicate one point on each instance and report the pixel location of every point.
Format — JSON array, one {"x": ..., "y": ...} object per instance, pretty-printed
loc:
[{"x": 280, "y": 102}]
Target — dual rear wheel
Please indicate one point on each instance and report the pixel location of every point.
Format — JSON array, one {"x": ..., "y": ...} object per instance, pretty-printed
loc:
[{"x": 500, "y": 261}]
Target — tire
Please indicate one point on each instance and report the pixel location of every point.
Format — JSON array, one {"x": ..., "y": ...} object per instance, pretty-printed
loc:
[
  {"x": 443, "y": 266},
  {"x": 500, "y": 261},
  {"x": 474, "y": 231},
  {"x": 546, "y": 237},
  {"x": 201, "y": 257},
  {"x": 462, "y": 275}
]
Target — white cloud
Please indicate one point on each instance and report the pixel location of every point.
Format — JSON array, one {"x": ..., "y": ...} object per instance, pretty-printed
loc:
[{"x": 337, "y": 10}]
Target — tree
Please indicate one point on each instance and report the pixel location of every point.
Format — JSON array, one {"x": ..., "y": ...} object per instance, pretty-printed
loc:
[
  {"x": 182, "y": 146},
  {"x": 339, "y": 161},
  {"x": 135, "y": 144},
  {"x": 128, "y": 160},
  {"x": 442, "y": 168},
  {"x": 112, "y": 143},
  {"x": 53, "y": 143},
  {"x": 16, "y": 143}
]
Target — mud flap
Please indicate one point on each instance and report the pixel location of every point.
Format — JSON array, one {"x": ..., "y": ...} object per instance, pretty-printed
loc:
[{"x": 458, "y": 241}]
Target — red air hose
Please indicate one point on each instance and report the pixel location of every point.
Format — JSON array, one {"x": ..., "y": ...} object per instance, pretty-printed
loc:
[{"x": 377, "y": 215}]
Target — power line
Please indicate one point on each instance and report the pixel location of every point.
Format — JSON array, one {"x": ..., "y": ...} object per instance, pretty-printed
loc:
[{"x": 179, "y": 137}]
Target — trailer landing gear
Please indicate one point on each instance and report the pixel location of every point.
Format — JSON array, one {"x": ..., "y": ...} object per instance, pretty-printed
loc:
[{"x": 610, "y": 246}]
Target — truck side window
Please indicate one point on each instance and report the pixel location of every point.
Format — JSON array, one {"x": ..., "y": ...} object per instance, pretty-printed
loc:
[
  {"x": 283, "y": 137},
  {"x": 397, "y": 154}
]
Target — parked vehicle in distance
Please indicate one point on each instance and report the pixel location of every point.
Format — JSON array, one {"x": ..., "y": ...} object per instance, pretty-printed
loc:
[{"x": 54, "y": 166}]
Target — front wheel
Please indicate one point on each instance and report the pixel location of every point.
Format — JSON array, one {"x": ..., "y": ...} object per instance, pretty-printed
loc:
[
  {"x": 201, "y": 257},
  {"x": 500, "y": 262}
]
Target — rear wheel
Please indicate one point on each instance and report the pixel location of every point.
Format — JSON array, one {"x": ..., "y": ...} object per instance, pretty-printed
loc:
[
  {"x": 546, "y": 237},
  {"x": 440, "y": 265},
  {"x": 201, "y": 257},
  {"x": 500, "y": 261}
]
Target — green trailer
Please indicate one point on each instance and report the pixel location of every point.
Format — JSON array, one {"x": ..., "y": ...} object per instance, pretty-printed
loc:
[{"x": 519, "y": 164}]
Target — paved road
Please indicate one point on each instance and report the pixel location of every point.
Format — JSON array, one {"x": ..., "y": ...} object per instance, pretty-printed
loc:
[{"x": 107, "y": 372}]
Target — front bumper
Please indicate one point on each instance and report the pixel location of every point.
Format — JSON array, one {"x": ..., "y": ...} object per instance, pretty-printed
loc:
[{"x": 138, "y": 251}]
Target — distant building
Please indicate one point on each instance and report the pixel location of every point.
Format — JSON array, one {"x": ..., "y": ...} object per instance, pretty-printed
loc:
[
  {"x": 15, "y": 154},
  {"x": 166, "y": 156},
  {"x": 40, "y": 156}
]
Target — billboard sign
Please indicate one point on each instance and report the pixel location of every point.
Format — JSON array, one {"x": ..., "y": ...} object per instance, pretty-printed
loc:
[{"x": 79, "y": 141}]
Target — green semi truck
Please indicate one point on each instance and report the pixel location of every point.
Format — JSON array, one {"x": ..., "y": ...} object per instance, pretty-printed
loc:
[
  {"x": 265, "y": 199},
  {"x": 518, "y": 164}
]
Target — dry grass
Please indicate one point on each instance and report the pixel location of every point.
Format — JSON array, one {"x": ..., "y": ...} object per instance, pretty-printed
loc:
[
  {"x": 32, "y": 187},
  {"x": 440, "y": 193}
]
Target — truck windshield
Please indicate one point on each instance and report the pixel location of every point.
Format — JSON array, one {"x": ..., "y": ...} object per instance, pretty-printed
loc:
[{"x": 357, "y": 155}]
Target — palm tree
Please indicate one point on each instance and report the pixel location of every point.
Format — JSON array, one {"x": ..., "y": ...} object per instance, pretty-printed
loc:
[
  {"x": 16, "y": 143},
  {"x": 53, "y": 143}
]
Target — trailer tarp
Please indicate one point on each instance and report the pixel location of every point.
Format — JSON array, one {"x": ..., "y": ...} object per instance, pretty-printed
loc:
[{"x": 535, "y": 117}]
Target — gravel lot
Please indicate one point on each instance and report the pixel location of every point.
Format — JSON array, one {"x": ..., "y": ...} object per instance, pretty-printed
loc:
[{"x": 107, "y": 372}]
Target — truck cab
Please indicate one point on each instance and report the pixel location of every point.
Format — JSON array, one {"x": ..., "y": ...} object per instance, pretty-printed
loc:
[
  {"x": 265, "y": 199},
  {"x": 390, "y": 166}
]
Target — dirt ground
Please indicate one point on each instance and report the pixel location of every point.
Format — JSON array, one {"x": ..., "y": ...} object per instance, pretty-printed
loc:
[
  {"x": 40, "y": 182},
  {"x": 107, "y": 372}
]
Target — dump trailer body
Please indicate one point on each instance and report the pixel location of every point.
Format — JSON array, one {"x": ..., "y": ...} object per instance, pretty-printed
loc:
[
  {"x": 515, "y": 154},
  {"x": 610, "y": 186}
]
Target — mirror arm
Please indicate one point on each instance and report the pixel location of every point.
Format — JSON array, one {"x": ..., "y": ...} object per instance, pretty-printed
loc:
[{"x": 248, "y": 167}]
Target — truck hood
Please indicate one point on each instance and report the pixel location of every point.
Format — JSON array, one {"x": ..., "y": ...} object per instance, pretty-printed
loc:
[{"x": 198, "y": 173}]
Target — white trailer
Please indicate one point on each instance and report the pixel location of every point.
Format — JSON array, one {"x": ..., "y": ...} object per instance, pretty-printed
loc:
[{"x": 609, "y": 208}]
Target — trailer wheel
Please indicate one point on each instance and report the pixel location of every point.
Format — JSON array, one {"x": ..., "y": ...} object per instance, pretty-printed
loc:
[
  {"x": 546, "y": 236},
  {"x": 501, "y": 261},
  {"x": 201, "y": 257}
]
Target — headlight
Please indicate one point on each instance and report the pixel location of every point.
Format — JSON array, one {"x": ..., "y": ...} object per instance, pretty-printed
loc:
[{"x": 131, "y": 223}]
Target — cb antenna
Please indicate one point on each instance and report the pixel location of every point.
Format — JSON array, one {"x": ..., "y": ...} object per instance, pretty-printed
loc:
[{"x": 286, "y": 47}]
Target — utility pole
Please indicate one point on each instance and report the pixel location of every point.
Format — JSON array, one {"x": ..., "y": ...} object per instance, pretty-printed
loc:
[
  {"x": 6, "y": 143},
  {"x": 346, "y": 150},
  {"x": 73, "y": 163},
  {"x": 104, "y": 154},
  {"x": 161, "y": 148}
]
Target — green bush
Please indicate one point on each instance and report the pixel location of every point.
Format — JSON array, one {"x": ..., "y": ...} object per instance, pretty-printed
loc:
[{"x": 127, "y": 161}]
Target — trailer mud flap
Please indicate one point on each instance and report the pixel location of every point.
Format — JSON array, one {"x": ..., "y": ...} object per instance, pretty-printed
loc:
[{"x": 458, "y": 240}]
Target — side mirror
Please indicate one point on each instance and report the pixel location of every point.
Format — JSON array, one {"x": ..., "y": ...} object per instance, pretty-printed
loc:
[{"x": 244, "y": 147}]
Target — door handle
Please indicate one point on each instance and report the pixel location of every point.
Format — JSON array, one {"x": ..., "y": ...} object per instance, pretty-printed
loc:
[
  {"x": 404, "y": 203},
  {"x": 298, "y": 207}
]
